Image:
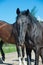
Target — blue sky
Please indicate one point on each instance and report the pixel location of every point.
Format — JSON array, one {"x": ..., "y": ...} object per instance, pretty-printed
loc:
[{"x": 8, "y": 8}]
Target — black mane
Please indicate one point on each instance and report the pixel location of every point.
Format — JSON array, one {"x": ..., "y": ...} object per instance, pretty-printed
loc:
[{"x": 34, "y": 19}]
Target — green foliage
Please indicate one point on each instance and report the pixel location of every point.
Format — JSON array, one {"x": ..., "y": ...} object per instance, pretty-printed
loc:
[
  {"x": 9, "y": 48},
  {"x": 34, "y": 11}
]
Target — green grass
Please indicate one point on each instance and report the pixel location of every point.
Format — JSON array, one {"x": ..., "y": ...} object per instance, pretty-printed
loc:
[{"x": 9, "y": 48}]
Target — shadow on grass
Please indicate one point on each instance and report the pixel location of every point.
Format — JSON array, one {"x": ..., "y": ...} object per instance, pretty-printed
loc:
[{"x": 1, "y": 62}]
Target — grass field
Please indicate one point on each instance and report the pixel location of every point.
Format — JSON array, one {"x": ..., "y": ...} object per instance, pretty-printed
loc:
[{"x": 9, "y": 48}]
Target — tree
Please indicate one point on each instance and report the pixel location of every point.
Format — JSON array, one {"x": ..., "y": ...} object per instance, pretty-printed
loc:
[{"x": 34, "y": 11}]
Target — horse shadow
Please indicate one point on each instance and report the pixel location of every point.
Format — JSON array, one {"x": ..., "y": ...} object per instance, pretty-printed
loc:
[
  {"x": 32, "y": 60},
  {"x": 1, "y": 62}
]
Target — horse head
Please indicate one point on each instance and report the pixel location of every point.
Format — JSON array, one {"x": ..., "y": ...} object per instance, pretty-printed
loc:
[{"x": 22, "y": 20}]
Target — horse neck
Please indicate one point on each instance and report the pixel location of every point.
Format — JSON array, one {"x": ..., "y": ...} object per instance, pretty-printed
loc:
[
  {"x": 14, "y": 25},
  {"x": 34, "y": 20},
  {"x": 35, "y": 26},
  {"x": 14, "y": 29}
]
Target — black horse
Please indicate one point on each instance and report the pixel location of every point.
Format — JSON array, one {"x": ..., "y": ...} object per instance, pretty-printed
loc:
[{"x": 27, "y": 24}]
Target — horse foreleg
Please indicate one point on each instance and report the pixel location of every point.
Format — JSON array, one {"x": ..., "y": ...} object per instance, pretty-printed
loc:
[
  {"x": 29, "y": 53},
  {"x": 19, "y": 54},
  {"x": 28, "y": 56},
  {"x": 23, "y": 55},
  {"x": 37, "y": 57}
]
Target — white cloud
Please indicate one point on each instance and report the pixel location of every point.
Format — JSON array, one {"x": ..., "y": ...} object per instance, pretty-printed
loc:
[{"x": 39, "y": 18}]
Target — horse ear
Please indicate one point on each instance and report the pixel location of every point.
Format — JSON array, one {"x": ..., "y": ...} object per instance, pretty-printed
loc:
[
  {"x": 18, "y": 11},
  {"x": 27, "y": 12}
]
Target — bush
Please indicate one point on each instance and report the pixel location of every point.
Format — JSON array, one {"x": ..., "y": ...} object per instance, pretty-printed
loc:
[{"x": 9, "y": 48}]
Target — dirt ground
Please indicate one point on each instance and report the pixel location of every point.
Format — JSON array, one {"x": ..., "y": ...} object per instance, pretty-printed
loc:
[{"x": 12, "y": 59}]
